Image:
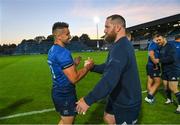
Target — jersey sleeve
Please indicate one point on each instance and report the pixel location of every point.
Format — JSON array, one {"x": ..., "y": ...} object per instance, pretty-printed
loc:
[
  {"x": 65, "y": 59},
  {"x": 98, "y": 68},
  {"x": 152, "y": 47}
]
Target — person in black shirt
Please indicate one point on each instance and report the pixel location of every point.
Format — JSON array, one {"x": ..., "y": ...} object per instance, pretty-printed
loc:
[
  {"x": 120, "y": 80},
  {"x": 170, "y": 72}
]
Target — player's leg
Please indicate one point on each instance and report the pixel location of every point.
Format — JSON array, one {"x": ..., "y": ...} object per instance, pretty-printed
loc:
[
  {"x": 149, "y": 83},
  {"x": 109, "y": 114},
  {"x": 167, "y": 92},
  {"x": 157, "y": 80},
  {"x": 165, "y": 83},
  {"x": 149, "y": 97},
  {"x": 149, "y": 71},
  {"x": 173, "y": 85},
  {"x": 127, "y": 116},
  {"x": 166, "y": 88},
  {"x": 155, "y": 86},
  {"x": 65, "y": 106},
  {"x": 66, "y": 120},
  {"x": 109, "y": 118}
]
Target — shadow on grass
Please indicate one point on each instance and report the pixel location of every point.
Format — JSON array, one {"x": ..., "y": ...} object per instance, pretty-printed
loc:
[{"x": 14, "y": 106}]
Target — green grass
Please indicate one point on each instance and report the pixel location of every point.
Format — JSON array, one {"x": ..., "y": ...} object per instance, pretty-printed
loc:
[{"x": 25, "y": 85}]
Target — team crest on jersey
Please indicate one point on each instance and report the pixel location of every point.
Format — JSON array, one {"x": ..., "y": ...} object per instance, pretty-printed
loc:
[{"x": 66, "y": 112}]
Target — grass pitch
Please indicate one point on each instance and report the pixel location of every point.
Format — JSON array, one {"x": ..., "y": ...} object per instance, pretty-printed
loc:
[{"x": 25, "y": 86}]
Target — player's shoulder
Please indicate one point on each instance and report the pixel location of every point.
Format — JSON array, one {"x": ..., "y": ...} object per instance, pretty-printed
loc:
[
  {"x": 170, "y": 43},
  {"x": 60, "y": 50},
  {"x": 64, "y": 53},
  {"x": 170, "y": 46},
  {"x": 152, "y": 46}
]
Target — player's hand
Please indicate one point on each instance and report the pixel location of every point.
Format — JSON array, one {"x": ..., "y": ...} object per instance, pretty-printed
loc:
[
  {"x": 81, "y": 107},
  {"x": 77, "y": 60},
  {"x": 156, "y": 61},
  {"x": 155, "y": 67},
  {"x": 89, "y": 63}
]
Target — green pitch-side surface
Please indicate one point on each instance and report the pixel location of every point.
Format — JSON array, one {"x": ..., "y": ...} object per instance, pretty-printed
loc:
[{"x": 25, "y": 86}]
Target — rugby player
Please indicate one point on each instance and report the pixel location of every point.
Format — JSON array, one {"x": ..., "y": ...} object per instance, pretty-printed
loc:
[
  {"x": 120, "y": 80},
  {"x": 153, "y": 71},
  {"x": 170, "y": 72},
  {"x": 64, "y": 74}
]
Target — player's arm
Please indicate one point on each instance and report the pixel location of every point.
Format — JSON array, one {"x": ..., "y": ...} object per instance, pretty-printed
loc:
[
  {"x": 98, "y": 68},
  {"x": 109, "y": 79},
  {"x": 75, "y": 75},
  {"x": 152, "y": 57}
]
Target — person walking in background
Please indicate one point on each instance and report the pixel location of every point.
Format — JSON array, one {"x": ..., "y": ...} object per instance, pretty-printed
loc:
[
  {"x": 170, "y": 72},
  {"x": 177, "y": 45},
  {"x": 120, "y": 80},
  {"x": 64, "y": 73},
  {"x": 153, "y": 71}
]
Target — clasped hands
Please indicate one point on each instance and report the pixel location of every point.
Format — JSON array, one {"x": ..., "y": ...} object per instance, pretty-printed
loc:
[
  {"x": 82, "y": 107},
  {"x": 89, "y": 63}
]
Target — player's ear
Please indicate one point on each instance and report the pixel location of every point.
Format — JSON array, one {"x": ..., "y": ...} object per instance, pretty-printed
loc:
[{"x": 117, "y": 27}]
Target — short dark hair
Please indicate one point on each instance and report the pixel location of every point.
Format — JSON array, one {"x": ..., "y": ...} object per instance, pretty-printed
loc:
[
  {"x": 158, "y": 35},
  {"x": 59, "y": 25},
  {"x": 177, "y": 37},
  {"x": 119, "y": 18}
]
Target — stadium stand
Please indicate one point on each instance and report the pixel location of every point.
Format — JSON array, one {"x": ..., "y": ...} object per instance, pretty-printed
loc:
[
  {"x": 142, "y": 33},
  {"x": 77, "y": 46}
]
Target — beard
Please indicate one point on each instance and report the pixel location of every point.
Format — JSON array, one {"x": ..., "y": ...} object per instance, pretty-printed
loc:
[{"x": 110, "y": 37}]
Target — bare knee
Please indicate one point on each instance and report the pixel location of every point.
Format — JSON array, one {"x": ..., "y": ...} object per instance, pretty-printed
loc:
[
  {"x": 109, "y": 119},
  {"x": 66, "y": 120},
  {"x": 174, "y": 86}
]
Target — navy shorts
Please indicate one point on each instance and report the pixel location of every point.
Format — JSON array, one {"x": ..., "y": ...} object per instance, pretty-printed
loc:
[
  {"x": 170, "y": 76},
  {"x": 65, "y": 105},
  {"x": 152, "y": 72},
  {"x": 123, "y": 115}
]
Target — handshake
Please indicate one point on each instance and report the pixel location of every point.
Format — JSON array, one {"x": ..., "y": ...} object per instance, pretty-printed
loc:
[{"x": 89, "y": 63}]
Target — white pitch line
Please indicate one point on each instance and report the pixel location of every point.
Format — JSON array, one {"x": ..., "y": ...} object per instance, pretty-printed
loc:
[
  {"x": 34, "y": 112},
  {"x": 27, "y": 113},
  {"x": 144, "y": 91}
]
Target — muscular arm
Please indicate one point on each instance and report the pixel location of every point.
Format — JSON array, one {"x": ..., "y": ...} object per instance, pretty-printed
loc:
[
  {"x": 152, "y": 57},
  {"x": 75, "y": 75}
]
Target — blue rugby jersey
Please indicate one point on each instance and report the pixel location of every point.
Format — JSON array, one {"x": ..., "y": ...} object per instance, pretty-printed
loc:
[
  {"x": 153, "y": 47},
  {"x": 177, "y": 45},
  {"x": 60, "y": 58}
]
